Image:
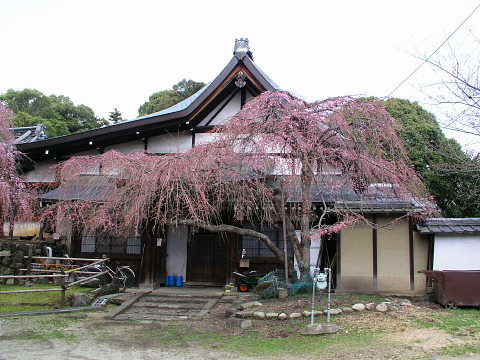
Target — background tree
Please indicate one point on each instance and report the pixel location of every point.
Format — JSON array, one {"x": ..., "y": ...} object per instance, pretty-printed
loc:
[
  {"x": 15, "y": 198},
  {"x": 57, "y": 112},
  {"x": 439, "y": 161},
  {"x": 115, "y": 116},
  {"x": 329, "y": 150},
  {"x": 456, "y": 88},
  {"x": 166, "y": 98}
]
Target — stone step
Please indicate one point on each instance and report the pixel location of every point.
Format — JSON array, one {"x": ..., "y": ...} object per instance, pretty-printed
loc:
[
  {"x": 164, "y": 299},
  {"x": 159, "y": 305},
  {"x": 145, "y": 311},
  {"x": 186, "y": 296},
  {"x": 151, "y": 317}
]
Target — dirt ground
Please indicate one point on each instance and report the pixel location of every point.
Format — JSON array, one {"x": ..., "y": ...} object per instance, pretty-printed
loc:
[{"x": 366, "y": 335}]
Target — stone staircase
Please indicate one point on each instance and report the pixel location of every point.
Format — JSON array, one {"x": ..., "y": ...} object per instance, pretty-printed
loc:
[{"x": 165, "y": 306}]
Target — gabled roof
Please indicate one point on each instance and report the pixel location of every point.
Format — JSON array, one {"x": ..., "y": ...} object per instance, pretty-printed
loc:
[
  {"x": 182, "y": 116},
  {"x": 449, "y": 226}
]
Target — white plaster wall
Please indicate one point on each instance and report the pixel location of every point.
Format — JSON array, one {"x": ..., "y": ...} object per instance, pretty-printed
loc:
[
  {"x": 205, "y": 138},
  {"x": 23, "y": 228},
  {"x": 457, "y": 252},
  {"x": 127, "y": 147},
  {"x": 43, "y": 172},
  {"x": 172, "y": 143},
  {"x": 314, "y": 250},
  {"x": 231, "y": 109},
  {"x": 177, "y": 251}
]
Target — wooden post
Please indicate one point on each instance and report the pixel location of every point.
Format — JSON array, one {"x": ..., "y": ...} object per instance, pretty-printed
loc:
[
  {"x": 29, "y": 261},
  {"x": 62, "y": 284}
]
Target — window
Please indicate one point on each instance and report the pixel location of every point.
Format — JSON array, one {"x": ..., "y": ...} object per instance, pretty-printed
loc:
[
  {"x": 256, "y": 248},
  {"x": 105, "y": 244}
]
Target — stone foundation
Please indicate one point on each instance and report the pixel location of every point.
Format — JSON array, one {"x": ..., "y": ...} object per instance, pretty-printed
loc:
[{"x": 12, "y": 254}]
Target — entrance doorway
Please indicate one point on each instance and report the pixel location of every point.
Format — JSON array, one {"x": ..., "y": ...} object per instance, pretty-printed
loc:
[{"x": 207, "y": 259}]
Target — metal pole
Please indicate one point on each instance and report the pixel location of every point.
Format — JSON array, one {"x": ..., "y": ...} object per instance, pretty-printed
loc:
[
  {"x": 285, "y": 249},
  {"x": 314, "y": 281},
  {"x": 329, "y": 292}
]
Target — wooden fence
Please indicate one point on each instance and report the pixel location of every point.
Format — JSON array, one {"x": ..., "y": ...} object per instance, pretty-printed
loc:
[{"x": 51, "y": 267}]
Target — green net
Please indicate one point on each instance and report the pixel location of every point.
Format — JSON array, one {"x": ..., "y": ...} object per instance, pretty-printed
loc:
[{"x": 269, "y": 284}]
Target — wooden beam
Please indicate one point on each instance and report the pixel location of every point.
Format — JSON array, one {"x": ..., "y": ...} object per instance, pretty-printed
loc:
[
  {"x": 411, "y": 254},
  {"x": 224, "y": 84},
  {"x": 339, "y": 259}
]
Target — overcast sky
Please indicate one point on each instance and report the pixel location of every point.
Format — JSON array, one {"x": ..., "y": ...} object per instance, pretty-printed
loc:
[{"x": 114, "y": 53}]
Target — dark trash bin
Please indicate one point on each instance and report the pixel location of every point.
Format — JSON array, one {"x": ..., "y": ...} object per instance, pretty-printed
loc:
[{"x": 455, "y": 287}]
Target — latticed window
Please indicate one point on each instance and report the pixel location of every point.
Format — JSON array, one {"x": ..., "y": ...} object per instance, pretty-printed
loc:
[
  {"x": 105, "y": 244},
  {"x": 256, "y": 248}
]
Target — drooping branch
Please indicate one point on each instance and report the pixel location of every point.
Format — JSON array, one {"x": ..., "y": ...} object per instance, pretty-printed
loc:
[{"x": 234, "y": 230}]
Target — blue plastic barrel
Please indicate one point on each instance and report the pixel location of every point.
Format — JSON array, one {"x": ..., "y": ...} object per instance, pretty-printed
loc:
[
  {"x": 169, "y": 281},
  {"x": 179, "y": 281}
]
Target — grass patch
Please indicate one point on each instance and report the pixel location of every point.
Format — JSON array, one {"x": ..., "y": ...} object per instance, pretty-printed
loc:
[
  {"x": 49, "y": 327},
  {"x": 456, "y": 350},
  {"x": 257, "y": 345},
  {"x": 460, "y": 322},
  {"x": 19, "y": 302},
  {"x": 254, "y": 344}
]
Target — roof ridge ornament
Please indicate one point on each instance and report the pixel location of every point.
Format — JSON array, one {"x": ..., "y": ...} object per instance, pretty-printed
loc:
[
  {"x": 241, "y": 48},
  {"x": 240, "y": 79}
]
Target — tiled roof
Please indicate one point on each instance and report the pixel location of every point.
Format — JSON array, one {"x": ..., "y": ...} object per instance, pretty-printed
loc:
[
  {"x": 378, "y": 206},
  {"x": 29, "y": 134},
  {"x": 182, "y": 105},
  {"x": 449, "y": 226}
]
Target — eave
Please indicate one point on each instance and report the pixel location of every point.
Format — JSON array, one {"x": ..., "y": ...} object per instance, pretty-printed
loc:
[{"x": 153, "y": 124}]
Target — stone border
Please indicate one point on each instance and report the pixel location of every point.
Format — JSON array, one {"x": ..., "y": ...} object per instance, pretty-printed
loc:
[{"x": 359, "y": 307}]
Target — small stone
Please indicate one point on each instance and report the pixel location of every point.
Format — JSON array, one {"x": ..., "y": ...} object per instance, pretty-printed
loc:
[
  {"x": 6, "y": 261},
  {"x": 282, "y": 316},
  {"x": 295, "y": 315},
  {"x": 243, "y": 314},
  {"x": 79, "y": 299},
  {"x": 393, "y": 307},
  {"x": 358, "y": 307},
  {"x": 260, "y": 315},
  {"x": 38, "y": 251},
  {"x": 17, "y": 265},
  {"x": 246, "y": 324},
  {"x": 404, "y": 302},
  {"x": 282, "y": 293},
  {"x": 382, "y": 307},
  {"x": 24, "y": 247},
  {"x": 333, "y": 311},
  {"x": 271, "y": 315},
  {"x": 307, "y": 313},
  {"x": 19, "y": 256},
  {"x": 249, "y": 304},
  {"x": 241, "y": 323},
  {"x": 370, "y": 306},
  {"x": 10, "y": 282},
  {"x": 5, "y": 253},
  {"x": 230, "y": 312},
  {"x": 347, "y": 310}
]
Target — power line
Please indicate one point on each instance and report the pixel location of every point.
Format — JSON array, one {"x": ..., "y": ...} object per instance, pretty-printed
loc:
[{"x": 438, "y": 48}]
